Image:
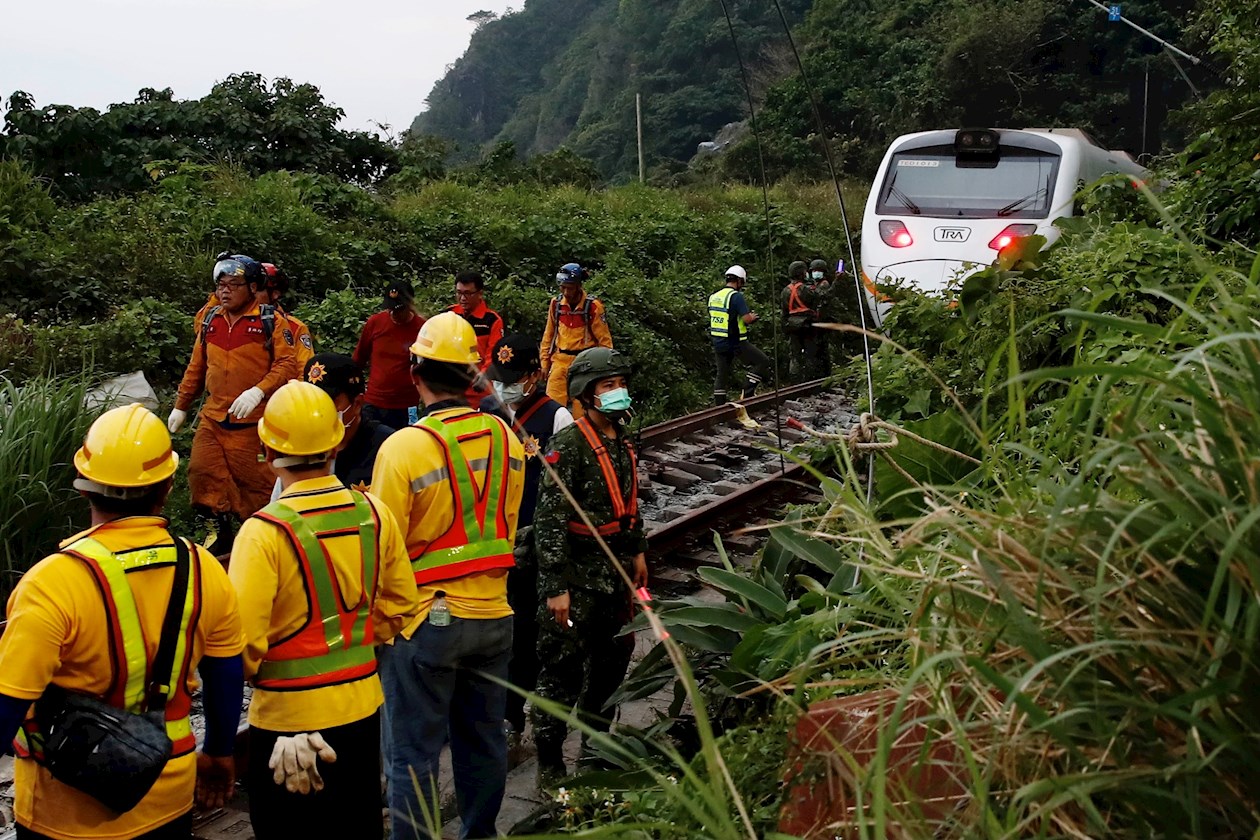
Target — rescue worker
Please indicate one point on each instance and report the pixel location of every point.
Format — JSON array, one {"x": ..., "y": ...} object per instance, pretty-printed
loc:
[
  {"x": 454, "y": 482},
  {"x": 516, "y": 375},
  {"x": 275, "y": 287},
  {"x": 800, "y": 310},
  {"x": 242, "y": 352},
  {"x": 824, "y": 291},
  {"x": 382, "y": 352},
  {"x": 575, "y": 322},
  {"x": 340, "y": 378},
  {"x": 89, "y": 619},
  {"x": 322, "y": 576},
  {"x": 585, "y": 602},
  {"x": 729, "y": 317},
  {"x": 486, "y": 323}
]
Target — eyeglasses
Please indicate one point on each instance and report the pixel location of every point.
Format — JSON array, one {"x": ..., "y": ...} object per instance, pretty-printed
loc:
[
  {"x": 227, "y": 284},
  {"x": 467, "y": 292}
]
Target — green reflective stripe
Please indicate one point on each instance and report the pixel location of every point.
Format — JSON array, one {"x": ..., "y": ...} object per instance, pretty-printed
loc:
[
  {"x": 134, "y": 656},
  {"x": 146, "y": 557},
  {"x": 481, "y": 540},
  {"x": 181, "y": 644},
  {"x": 314, "y": 666},
  {"x": 325, "y": 606},
  {"x": 323, "y": 599},
  {"x": 367, "y": 549},
  {"x": 468, "y": 551}
]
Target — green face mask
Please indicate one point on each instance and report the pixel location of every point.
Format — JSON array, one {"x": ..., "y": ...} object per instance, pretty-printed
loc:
[{"x": 618, "y": 399}]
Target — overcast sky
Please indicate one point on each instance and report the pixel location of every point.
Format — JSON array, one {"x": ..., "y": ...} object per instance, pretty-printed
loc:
[{"x": 376, "y": 59}]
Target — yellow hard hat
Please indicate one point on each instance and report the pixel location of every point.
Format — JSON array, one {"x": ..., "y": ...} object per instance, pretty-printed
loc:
[
  {"x": 126, "y": 451},
  {"x": 300, "y": 420},
  {"x": 447, "y": 338}
]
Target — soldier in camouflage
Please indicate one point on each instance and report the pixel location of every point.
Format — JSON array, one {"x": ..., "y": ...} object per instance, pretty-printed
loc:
[{"x": 585, "y": 602}]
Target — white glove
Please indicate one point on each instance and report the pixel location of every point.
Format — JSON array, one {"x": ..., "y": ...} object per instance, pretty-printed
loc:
[
  {"x": 244, "y": 405},
  {"x": 176, "y": 420},
  {"x": 293, "y": 761}
]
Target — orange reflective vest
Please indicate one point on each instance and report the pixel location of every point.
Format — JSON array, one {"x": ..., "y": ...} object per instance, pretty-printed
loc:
[
  {"x": 128, "y": 688},
  {"x": 478, "y": 537},
  {"x": 796, "y": 306},
  {"x": 335, "y": 645},
  {"x": 625, "y": 512}
]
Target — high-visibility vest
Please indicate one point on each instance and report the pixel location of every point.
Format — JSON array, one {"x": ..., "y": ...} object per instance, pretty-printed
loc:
[
  {"x": 129, "y": 684},
  {"x": 625, "y": 511},
  {"x": 796, "y": 306},
  {"x": 478, "y": 537},
  {"x": 720, "y": 315},
  {"x": 335, "y": 645}
]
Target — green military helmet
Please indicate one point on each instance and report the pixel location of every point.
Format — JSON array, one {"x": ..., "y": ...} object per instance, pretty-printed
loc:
[
  {"x": 796, "y": 269},
  {"x": 594, "y": 364},
  {"x": 818, "y": 265}
]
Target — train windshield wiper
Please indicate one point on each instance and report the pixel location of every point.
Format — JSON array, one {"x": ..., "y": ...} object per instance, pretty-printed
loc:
[
  {"x": 1020, "y": 202},
  {"x": 904, "y": 199}
]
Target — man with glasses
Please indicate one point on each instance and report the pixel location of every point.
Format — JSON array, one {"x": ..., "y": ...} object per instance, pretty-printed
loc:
[
  {"x": 486, "y": 323},
  {"x": 241, "y": 354}
]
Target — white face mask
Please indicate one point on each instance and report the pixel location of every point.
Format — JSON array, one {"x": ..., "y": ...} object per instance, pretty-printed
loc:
[{"x": 509, "y": 394}]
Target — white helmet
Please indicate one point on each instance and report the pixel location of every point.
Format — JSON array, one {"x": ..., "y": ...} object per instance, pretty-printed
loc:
[{"x": 737, "y": 271}]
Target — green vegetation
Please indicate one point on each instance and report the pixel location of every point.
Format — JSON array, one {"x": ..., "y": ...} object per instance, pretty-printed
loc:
[{"x": 560, "y": 73}]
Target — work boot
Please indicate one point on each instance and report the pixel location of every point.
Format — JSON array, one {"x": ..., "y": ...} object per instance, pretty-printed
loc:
[
  {"x": 220, "y": 534},
  {"x": 551, "y": 769},
  {"x": 719, "y": 398}
]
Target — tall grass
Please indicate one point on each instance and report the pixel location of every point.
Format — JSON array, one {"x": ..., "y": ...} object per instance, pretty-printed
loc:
[{"x": 42, "y": 424}]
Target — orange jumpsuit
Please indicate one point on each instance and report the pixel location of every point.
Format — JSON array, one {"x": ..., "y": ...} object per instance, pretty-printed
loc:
[
  {"x": 224, "y": 470},
  {"x": 570, "y": 330}
]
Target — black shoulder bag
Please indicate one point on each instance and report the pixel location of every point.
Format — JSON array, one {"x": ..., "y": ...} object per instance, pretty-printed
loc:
[{"x": 111, "y": 754}]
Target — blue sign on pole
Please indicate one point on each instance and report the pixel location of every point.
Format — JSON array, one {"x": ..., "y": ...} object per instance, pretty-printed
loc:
[{"x": 1113, "y": 12}]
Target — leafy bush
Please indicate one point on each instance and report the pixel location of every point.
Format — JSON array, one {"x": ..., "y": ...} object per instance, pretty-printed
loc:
[{"x": 42, "y": 424}]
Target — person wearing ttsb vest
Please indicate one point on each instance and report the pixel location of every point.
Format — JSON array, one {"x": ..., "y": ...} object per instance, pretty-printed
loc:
[
  {"x": 322, "y": 576},
  {"x": 486, "y": 323},
  {"x": 585, "y": 602},
  {"x": 382, "y": 352},
  {"x": 729, "y": 318},
  {"x": 575, "y": 322},
  {"x": 800, "y": 309},
  {"x": 243, "y": 351},
  {"x": 110, "y": 626},
  {"x": 454, "y": 481},
  {"x": 519, "y": 398}
]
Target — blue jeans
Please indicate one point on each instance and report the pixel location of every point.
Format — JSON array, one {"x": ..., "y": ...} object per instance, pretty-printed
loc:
[{"x": 437, "y": 684}]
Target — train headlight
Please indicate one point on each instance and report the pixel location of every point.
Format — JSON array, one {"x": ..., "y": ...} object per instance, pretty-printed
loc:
[
  {"x": 1009, "y": 234},
  {"x": 894, "y": 233}
]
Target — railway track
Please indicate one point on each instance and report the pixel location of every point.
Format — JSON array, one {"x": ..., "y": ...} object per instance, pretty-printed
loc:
[{"x": 702, "y": 472}]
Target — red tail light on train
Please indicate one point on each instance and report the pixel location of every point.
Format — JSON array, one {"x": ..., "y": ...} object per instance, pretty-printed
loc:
[{"x": 894, "y": 233}]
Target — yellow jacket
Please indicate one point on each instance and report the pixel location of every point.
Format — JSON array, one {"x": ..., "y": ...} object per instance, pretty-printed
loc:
[
  {"x": 428, "y": 512},
  {"x": 571, "y": 330},
  {"x": 272, "y": 595}
]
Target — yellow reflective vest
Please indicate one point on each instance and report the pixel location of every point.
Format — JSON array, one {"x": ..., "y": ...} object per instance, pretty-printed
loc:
[{"x": 720, "y": 316}]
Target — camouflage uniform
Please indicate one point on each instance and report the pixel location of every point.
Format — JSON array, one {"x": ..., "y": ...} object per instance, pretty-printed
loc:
[{"x": 590, "y": 653}]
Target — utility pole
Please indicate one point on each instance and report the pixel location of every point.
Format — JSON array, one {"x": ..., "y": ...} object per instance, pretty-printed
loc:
[{"x": 638, "y": 118}]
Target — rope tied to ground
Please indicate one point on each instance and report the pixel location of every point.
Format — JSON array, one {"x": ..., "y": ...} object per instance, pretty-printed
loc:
[{"x": 863, "y": 437}]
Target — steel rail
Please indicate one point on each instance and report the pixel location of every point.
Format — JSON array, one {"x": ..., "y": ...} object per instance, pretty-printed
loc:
[{"x": 709, "y": 417}]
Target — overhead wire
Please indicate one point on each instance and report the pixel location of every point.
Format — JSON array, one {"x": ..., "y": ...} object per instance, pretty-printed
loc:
[
  {"x": 765, "y": 198},
  {"x": 848, "y": 236}
]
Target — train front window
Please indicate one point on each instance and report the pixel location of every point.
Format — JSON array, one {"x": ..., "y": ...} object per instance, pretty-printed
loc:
[{"x": 930, "y": 182}]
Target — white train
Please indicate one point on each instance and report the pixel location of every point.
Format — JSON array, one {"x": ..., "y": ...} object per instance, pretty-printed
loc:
[{"x": 943, "y": 203}]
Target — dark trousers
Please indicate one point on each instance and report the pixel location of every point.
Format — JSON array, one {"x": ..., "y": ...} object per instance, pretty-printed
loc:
[
  {"x": 348, "y": 806},
  {"x": 803, "y": 353},
  {"x": 756, "y": 362},
  {"x": 179, "y": 828},
  {"x": 582, "y": 665},
  {"x": 443, "y": 683},
  {"x": 523, "y": 669}
]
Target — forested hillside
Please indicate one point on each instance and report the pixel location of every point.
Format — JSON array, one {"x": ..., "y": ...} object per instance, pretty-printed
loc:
[{"x": 565, "y": 72}]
